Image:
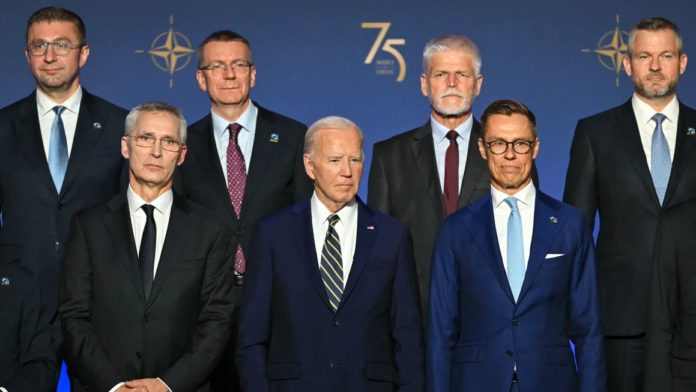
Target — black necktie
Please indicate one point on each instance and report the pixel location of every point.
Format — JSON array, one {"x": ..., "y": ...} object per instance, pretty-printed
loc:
[{"x": 147, "y": 250}]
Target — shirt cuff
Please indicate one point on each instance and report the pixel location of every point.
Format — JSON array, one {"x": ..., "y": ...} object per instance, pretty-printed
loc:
[
  {"x": 119, "y": 385},
  {"x": 3, "y": 389},
  {"x": 165, "y": 384}
]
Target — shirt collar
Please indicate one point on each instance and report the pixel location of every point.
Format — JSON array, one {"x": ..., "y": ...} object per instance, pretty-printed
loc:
[
  {"x": 45, "y": 105},
  {"x": 440, "y": 131},
  {"x": 320, "y": 213},
  {"x": 247, "y": 120},
  {"x": 526, "y": 195},
  {"x": 163, "y": 203},
  {"x": 644, "y": 112}
]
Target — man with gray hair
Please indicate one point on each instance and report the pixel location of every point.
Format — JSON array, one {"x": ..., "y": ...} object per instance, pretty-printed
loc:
[
  {"x": 146, "y": 294},
  {"x": 443, "y": 152},
  {"x": 632, "y": 163},
  {"x": 331, "y": 300}
]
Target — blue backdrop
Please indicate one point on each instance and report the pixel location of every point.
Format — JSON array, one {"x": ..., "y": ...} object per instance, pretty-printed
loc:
[{"x": 311, "y": 57}]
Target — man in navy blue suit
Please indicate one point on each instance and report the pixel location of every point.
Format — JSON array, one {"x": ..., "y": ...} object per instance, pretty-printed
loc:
[
  {"x": 512, "y": 275},
  {"x": 331, "y": 299}
]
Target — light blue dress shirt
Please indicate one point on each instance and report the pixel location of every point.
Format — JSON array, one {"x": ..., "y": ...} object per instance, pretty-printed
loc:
[
  {"x": 442, "y": 143},
  {"x": 246, "y": 136}
]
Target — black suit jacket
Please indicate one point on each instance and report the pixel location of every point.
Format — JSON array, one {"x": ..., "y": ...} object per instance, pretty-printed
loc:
[
  {"x": 111, "y": 334},
  {"x": 671, "y": 338},
  {"x": 609, "y": 173},
  {"x": 28, "y": 359},
  {"x": 36, "y": 218},
  {"x": 405, "y": 184}
]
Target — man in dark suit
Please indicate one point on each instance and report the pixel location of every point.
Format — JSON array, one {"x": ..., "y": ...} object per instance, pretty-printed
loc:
[
  {"x": 512, "y": 273},
  {"x": 631, "y": 163},
  {"x": 331, "y": 299},
  {"x": 671, "y": 336},
  {"x": 59, "y": 149},
  {"x": 27, "y": 353},
  {"x": 245, "y": 161},
  {"x": 146, "y": 292},
  {"x": 421, "y": 176}
]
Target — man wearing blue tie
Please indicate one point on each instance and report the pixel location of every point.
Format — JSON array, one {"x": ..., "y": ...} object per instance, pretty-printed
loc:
[
  {"x": 331, "y": 300},
  {"x": 512, "y": 274}
]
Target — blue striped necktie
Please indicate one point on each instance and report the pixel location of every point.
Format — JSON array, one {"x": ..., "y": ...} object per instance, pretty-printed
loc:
[
  {"x": 332, "y": 264},
  {"x": 660, "y": 159},
  {"x": 515, "y": 249},
  {"x": 58, "y": 149}
]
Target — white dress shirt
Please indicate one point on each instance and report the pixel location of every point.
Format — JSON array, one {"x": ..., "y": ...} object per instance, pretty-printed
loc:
[
  {"x": 69, "y": 116},
  {"x": 526, "y": 198},
  {"x": 346, "y": 227},
  {"x": 442, "y": 143},
  {"x": 163, "y": 208},
  {"x": 646, "y": 126},
  {"x": 245, "y": 139}
]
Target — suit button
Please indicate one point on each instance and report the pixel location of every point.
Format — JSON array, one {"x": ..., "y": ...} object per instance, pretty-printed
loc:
[
  {"x": 59, "y": 206},
  {"x": 508, "y": 353},
  {"x": 138, "y": 355},
  {"x": 335, "y": 324},
  {"x": 146, "y": 320},
  {"x": 57, "y": 245},
  {"x": 331, "y": 365},
  {"x": 240, "y": 232},
  {"x": 516, "y": 323}
]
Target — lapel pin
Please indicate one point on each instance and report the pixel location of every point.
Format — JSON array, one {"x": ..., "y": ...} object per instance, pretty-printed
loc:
[
  {"x": 274, "y": 138},
  {"x": 553, "y": 220},
  {"x": 96, "y": 125},
  {"x": 691, "y": 132},
  {"x": 4, "y": 282},
  {"x": 370, "y": 227}
]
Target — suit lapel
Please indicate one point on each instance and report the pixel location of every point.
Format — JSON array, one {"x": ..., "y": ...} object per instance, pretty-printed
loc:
[
  {"x": 682, "y": 150},
  {"x": 543, "y": 236},
  {"x": 179, "y": 232},
  {"x": 27, "y": 132},
  {"x": 303, "y": 233},
  {"x": 202, "y": 143},
  {"x": 475, "y": 166},
  {"x": 118, "y": 224},
  {"x": 86, "y": 138},
  {"x": 627, "y": 129},
  {"x": 486, "y": 239},
  {"x": 263, "y": 151},
  {"x": 364, "y": 240},
  {"x": 424, "y": 152}
]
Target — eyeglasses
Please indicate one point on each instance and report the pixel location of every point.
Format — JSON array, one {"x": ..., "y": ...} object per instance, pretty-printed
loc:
[
  {"x": 60, "y": 48},
  {"x": 240, "y": 66},
  {"x": 499, "y": 147},
  {"x": 167, "y": 143}
]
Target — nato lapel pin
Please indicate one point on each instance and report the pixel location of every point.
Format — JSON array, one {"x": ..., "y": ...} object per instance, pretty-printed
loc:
[
  {"x": 274, "y": 138},
  {"x": 553, "y": 220},
  {"x": 96, "y": 125},
  {"x": 4, "y": 282},
  {"x": 691, "y": 132}
]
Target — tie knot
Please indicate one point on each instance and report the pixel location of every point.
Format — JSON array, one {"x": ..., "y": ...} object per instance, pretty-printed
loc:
[
  {"x": 149, "y": 210},
  {"x": 58, "y": 109},
  {"x": 659, "y": 118},
  {"x": 512, "y": 202},
  {"x": 333, "y": 218},
  {"x": 234, "y": 130},
  {"x": 452, "y": 135}
]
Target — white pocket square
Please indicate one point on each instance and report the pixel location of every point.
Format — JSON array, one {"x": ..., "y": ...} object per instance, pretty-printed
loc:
[{"x": 554, "y": 255}]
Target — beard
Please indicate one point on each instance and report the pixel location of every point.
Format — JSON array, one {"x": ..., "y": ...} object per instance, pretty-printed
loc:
[
  {"x": 462, "y": 108},
  {"x": 657, "y": 91}
]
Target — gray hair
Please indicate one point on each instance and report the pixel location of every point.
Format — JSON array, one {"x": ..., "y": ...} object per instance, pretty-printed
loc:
[
  {"x": 655, "y": 24},
  {"x": 451, "y": 43},
  {"x": 156, "y": 106},
  {"x": 331, "y": 122}
]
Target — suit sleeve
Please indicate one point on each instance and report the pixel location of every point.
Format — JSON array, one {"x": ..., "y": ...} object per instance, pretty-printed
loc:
[
  {"x": 214, "y": 320},
  {"x": 255, "y": 315},
  {"x": 377, "y": 188},
  {"x": 302, "y": 185},
  {"x": 584, "y": 315},
  {"x": 581, "y": 179},
  {"x": 81, "y": 346},
  {"x": 443, "y": 317},
  {"x": 40, "y": 367},
  {"x": 663, "y": 312},
  {"x": 407, "y": 320}
]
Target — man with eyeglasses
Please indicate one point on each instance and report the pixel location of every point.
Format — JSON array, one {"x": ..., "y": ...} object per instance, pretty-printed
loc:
[
  {"x": 512, "y": 274},
  {"x": 246, "y": 161},
  {"x": 59, "y": 152},
  {"x": 146, "y": 289}
]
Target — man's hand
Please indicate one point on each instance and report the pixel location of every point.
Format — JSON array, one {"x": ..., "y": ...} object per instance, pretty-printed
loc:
[
  {"x": 123, "y": 388},
  {"x": 146, "y": 385}
]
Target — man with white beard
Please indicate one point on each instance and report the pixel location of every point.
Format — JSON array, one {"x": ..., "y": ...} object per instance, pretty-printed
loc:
[{"x": 421, "y": 176}]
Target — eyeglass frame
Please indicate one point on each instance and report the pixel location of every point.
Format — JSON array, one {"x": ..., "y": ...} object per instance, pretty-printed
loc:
[
  {"x": 70, "y": 47},
  {"x": 507, "y": 146},
  {"x": 181, "y": 145},
  {"x": 224, "y": 66}
]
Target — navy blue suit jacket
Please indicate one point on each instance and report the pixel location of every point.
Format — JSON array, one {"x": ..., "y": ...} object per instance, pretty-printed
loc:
[
  {"x": 476, "y": 331},
  {"x": 290, "y": 339}
]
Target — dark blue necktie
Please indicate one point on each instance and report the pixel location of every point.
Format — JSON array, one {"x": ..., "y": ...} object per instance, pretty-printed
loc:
[
  {"x": 146, "y": 256},
  {"x": 58, "y": 149}
]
